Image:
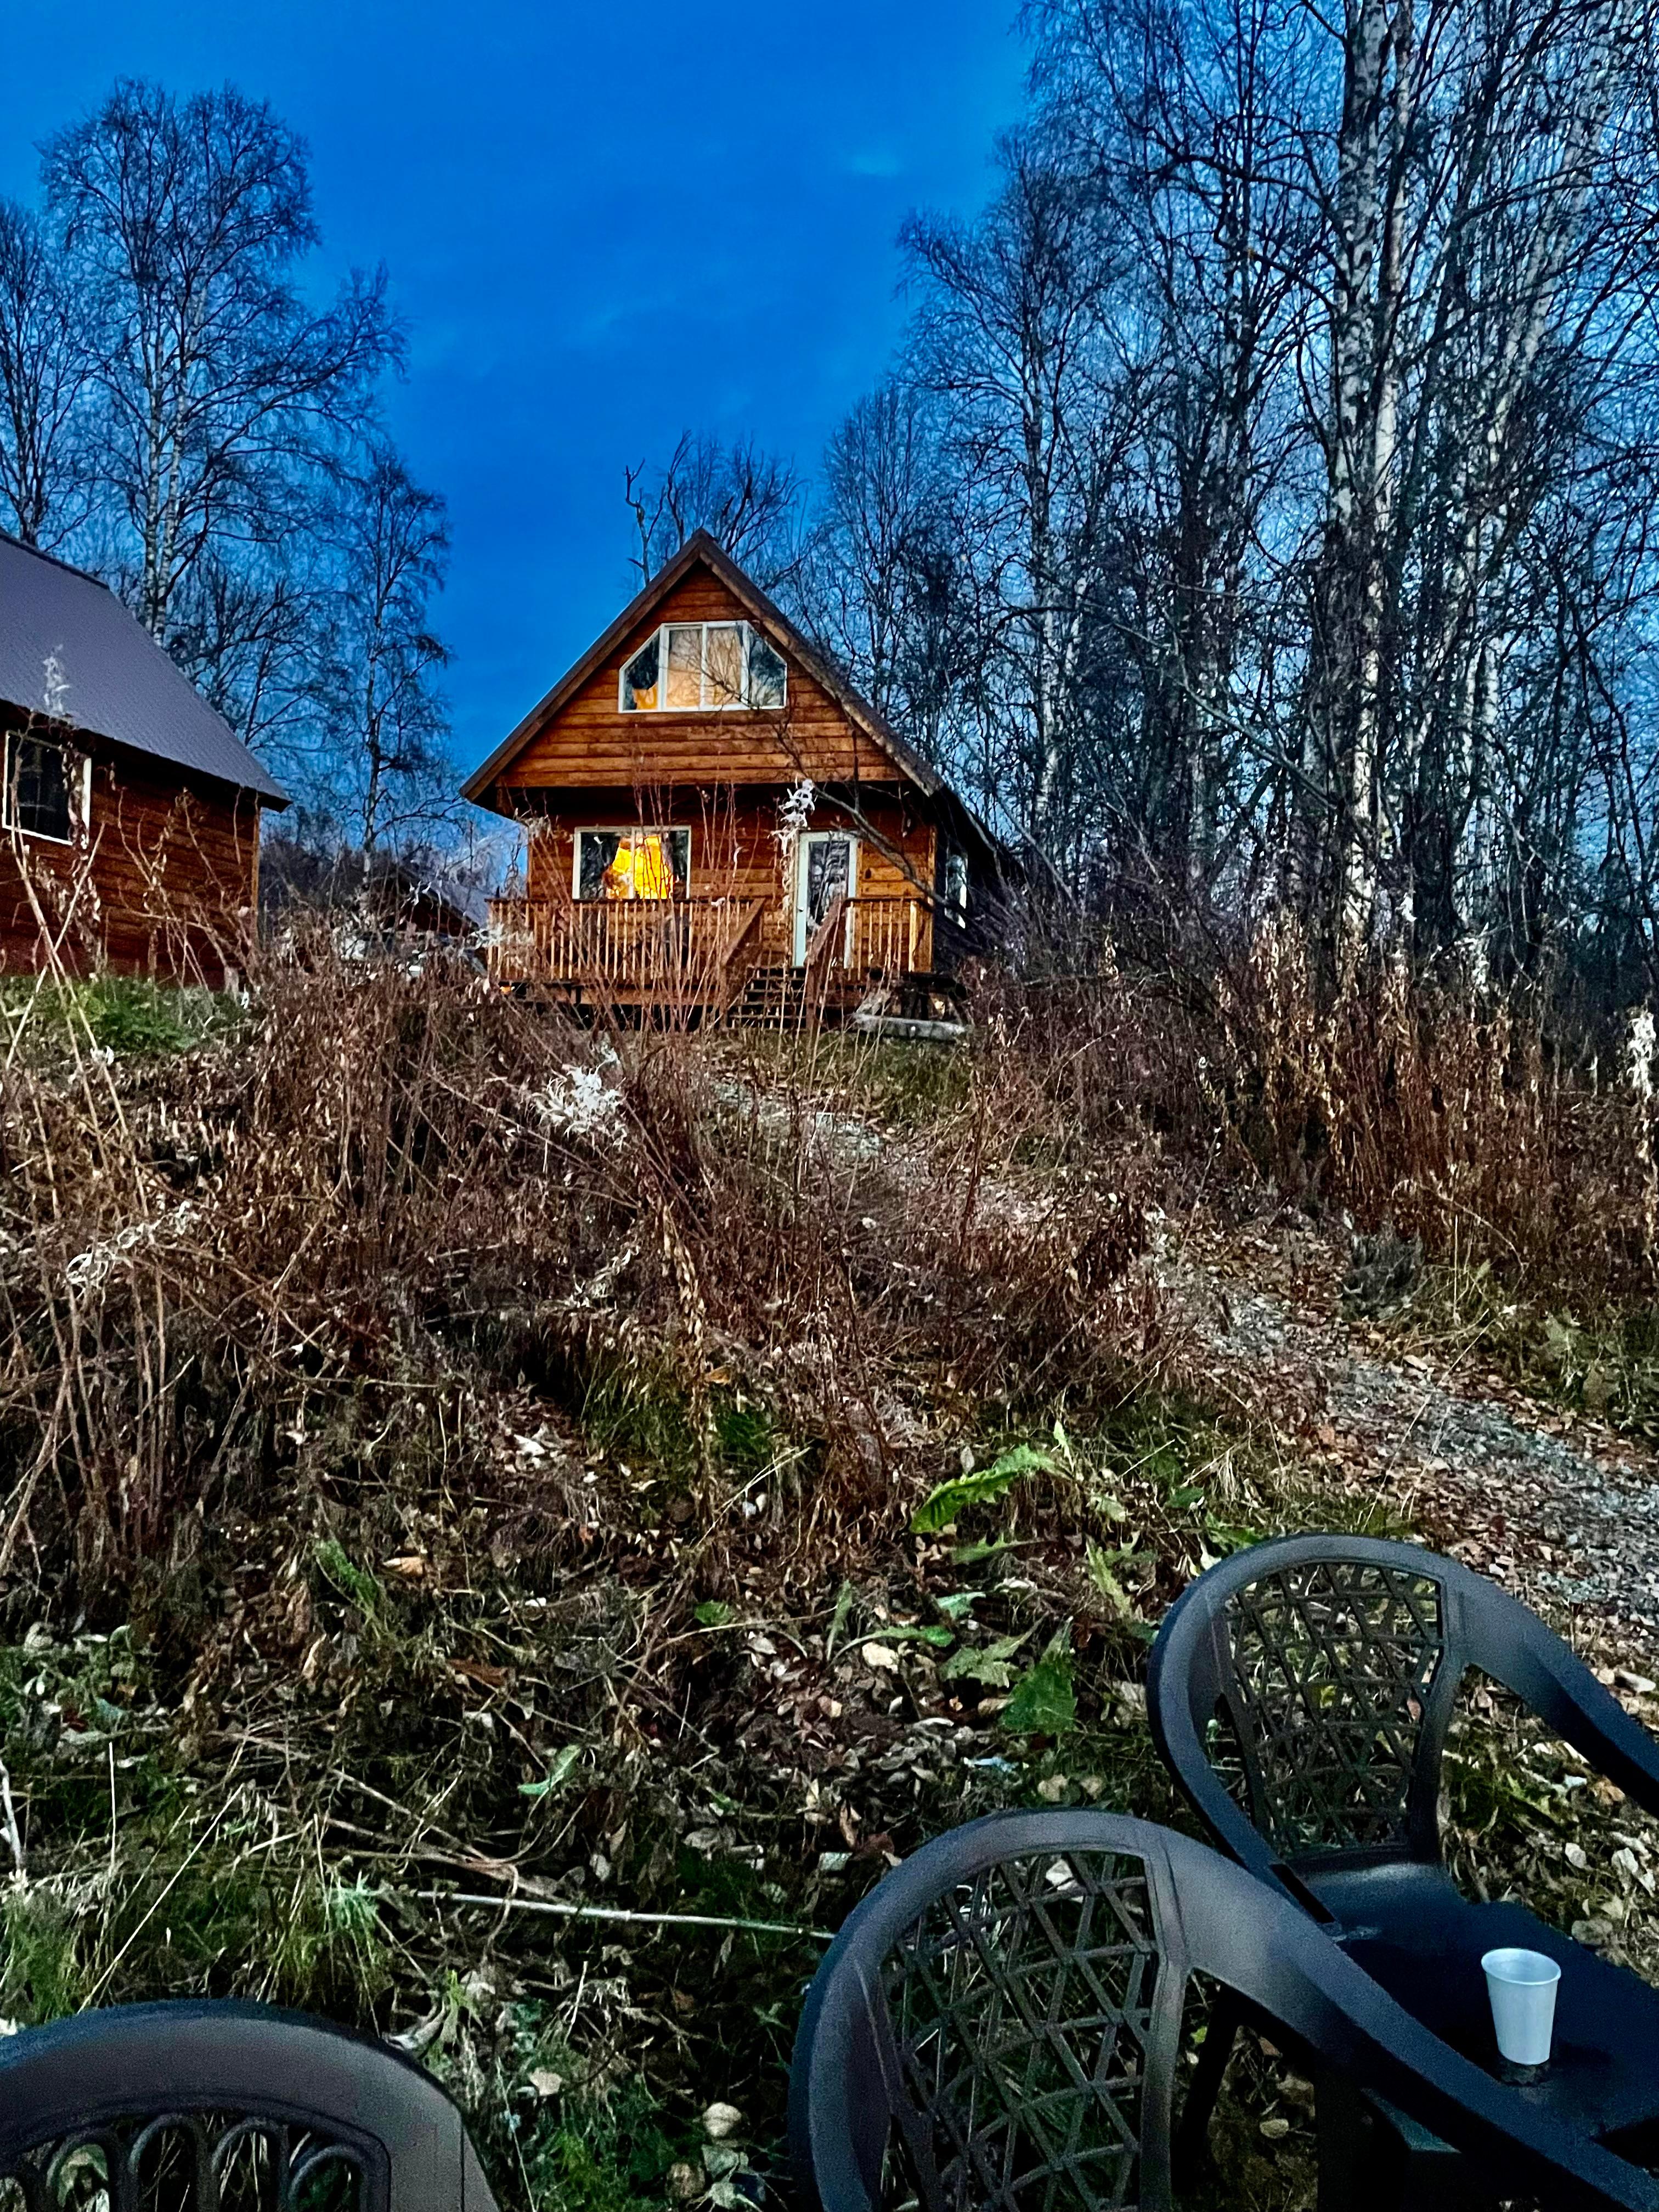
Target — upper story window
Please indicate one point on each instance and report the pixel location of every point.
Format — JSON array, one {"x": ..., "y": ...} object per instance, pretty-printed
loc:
[
  {"x": 41, "y": 799},
  {"x": 690, "y": 667}
]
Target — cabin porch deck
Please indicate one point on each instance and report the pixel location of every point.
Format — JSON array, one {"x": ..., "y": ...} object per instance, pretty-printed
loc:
[{"x": 711, "y": 955}]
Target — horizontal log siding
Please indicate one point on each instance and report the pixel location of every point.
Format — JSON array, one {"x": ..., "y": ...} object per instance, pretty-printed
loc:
[
  {"x": 165, "y": 885},
  {"x": 590, "y": 742}
]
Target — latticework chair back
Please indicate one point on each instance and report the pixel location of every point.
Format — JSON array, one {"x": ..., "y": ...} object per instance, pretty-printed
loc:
[
  {"x": 998, "y": 2027},
  {"x": 1302, "y": 1693},
  {"x": 224, "y": 2108},
  {"x": 1322, "y": 1728},
  {"x": 1021, "y": 2004},
  {"x": 193, "y": 2161}
]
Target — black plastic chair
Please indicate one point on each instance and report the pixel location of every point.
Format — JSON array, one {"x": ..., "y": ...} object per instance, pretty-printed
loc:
[
  {"x": 225, "y": 2108},
  {"x": 1301, "y": 1693},
  {"x": 998, "y": 2029}
]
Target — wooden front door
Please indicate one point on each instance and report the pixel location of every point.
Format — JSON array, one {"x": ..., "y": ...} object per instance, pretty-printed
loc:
[{"x": 826, "y": 866}]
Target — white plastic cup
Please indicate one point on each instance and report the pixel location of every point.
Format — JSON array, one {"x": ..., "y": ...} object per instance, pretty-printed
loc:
[{"x": 1522, "y": 1986}]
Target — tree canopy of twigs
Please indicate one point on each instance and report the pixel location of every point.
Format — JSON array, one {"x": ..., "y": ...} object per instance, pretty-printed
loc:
[
  {"x": 180, "y": 417},
  {"x": 1260, "y": 512}
]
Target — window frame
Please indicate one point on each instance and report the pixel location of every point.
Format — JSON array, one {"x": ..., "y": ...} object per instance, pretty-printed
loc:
[
  {"x": 750, "y": 631},
  {"x": 627, "y": 829},
  {"x": 955, "y": 902},
  {"x": 80, "y": 805},
  {"x": 659, "y": 639}
]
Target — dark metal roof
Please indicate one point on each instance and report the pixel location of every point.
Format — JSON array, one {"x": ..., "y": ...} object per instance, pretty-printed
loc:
[{"x": 70, "y": 650}]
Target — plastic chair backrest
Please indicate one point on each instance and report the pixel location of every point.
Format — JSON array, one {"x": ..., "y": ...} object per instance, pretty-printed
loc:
[
  {"x": 998, "y": 2029},
  {"x": 1302, "y": 1691},
  {"x": 204, "y": 2106}
]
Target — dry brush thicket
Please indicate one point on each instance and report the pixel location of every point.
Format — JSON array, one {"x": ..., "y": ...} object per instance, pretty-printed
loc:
[
  {"x": 378, "y": 1175},
  {"x": 414, "y": 1411},
  {"x": 1483, "y": 1122}
]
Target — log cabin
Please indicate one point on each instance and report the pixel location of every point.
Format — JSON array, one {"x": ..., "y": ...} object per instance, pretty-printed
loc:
[
  {"x": 716, "y": 821},
  {"x": 130, "y": 810}
]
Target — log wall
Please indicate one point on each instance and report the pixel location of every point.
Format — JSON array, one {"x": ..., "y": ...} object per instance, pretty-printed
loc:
[
  {"x": 163, "y": 882},
  {"x": 589, "y": 741}
]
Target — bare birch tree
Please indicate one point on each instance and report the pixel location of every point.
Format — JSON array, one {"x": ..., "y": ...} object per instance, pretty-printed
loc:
[
  {"x": 45, "y": 374},
  {"x": 184, "y": 222},
  {"x": 747, "y": 500}
]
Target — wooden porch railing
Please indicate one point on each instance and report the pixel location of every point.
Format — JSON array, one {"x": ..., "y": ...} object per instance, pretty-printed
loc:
[
  {"x": 695, "y": 949},
  {"x": 690, "y": 948},
  {"x": 887, "y": 935}
]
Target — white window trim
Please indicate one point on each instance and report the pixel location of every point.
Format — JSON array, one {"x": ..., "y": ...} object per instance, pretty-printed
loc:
[
  {"x": 80, "y": 818},
  {"x": 622, "y": 830},
  {"x": 746, "y": 704}
]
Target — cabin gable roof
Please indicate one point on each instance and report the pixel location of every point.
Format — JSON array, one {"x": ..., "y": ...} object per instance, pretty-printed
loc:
[
  {"x": 70, "y": 652},
  {"x": 591, "y": 679}
]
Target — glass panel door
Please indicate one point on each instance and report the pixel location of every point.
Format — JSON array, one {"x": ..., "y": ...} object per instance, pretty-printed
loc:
[{"x": 826, "y": 868}]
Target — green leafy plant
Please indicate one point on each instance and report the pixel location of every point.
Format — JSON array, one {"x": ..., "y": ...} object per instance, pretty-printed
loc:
[
  {"x": 349, "y": 1580},
  {"x": 1044, "y": 1702},
  {"x": 846, "y": 1596},
  {"x": 980, "y": 1486},
  {"x": 128, "y": 1016},
  {"x": 1101, "y": 1564},
  {"x": 559, "y": 1768},
  {"x": 988, "y": 1666}
]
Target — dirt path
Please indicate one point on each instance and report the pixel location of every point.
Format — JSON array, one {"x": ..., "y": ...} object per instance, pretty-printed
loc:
[
  {"x": 1558, "y": 1507},
  {"x": 1553, "y": 1506}
]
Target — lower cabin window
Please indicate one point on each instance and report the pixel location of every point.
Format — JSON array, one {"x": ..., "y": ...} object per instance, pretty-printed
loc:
[
  {"x": 633, "y": 864},
  {"x": 39, "y": 800},
  {"x": 955, "y": 883}
]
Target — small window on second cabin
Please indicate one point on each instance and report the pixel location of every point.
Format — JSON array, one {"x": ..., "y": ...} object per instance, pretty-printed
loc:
[{"x": 38, "y": 790}]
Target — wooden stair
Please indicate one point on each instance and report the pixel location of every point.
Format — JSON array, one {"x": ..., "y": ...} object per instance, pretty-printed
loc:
[{"x": 773, "y": 997}]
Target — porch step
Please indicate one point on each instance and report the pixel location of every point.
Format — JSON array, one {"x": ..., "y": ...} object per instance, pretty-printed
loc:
[{"x": 774, "y": 997}]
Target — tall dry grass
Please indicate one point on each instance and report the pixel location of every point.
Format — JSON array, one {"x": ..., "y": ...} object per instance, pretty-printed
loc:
[
  {"x": 1457, "y": 1113},
  {"x": 380, "y": 1177},
  {"x": 373, "y": 1178}
]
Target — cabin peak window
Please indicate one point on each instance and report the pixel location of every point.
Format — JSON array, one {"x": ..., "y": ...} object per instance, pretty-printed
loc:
[
  {"x": 41, "y": 798},
  {"x": 632, "y": 863},
  {"x": 696, "y": 667}
]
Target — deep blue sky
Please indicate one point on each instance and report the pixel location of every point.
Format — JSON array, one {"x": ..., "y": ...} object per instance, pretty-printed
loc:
[{"x": 604, "y": 223}]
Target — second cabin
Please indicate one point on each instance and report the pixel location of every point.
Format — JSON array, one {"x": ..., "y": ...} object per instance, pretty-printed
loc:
[{"x": 718, "y": 821}]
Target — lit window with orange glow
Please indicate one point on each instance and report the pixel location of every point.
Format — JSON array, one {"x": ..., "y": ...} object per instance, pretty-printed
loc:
[{"x": 633, "y": 864}]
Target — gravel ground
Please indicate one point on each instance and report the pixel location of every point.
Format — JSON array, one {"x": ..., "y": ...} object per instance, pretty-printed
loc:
[
  {"x": 1558, "y": 1507},
  {"x": 1561, "y": 1509}
]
